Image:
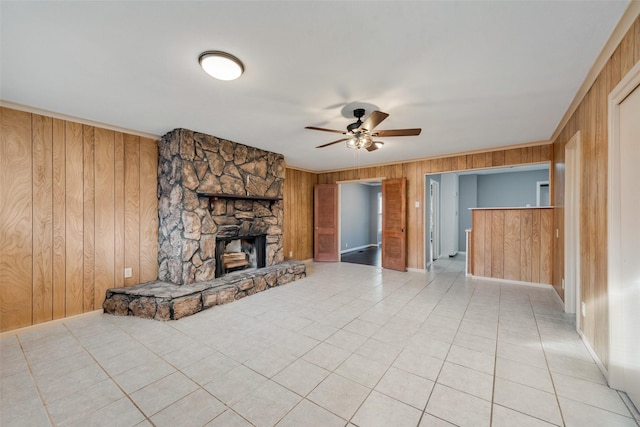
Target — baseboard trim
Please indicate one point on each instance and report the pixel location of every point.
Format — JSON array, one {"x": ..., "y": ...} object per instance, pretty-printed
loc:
[
  {"x": 33, "y": 328},
  {"x": 513, "y": 282},
  {"x": 593, "y": 354}
]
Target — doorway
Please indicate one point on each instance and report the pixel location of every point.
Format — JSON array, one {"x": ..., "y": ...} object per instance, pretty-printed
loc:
[
  {"x": 360, "y": 227},
  {"x": 434, "y": 221}
]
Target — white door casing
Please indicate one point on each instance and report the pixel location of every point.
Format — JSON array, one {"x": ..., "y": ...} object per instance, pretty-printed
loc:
[
  {"x": 624, "y": 235},
  {"x": 572, "y": 227}
]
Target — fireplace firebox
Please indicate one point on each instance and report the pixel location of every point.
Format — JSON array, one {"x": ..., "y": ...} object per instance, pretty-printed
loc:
[{"x": 240, "y": 253}]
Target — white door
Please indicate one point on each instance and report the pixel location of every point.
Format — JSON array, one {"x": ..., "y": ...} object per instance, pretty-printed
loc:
[{"x": 630, "y": 239}]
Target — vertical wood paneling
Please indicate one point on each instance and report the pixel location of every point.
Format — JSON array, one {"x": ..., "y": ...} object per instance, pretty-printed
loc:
[
  {"x": 148, "y": 210},
  {"x": 89, "y": 269},
  {"x": 16, "y": 219},
  {"x": 412, "y": 217},
  {"x": 104, "y": 213},
  {"x": 118, "y": 186},
  {"x": 74, "y": 225},
  {"x": 535, "y": 246},
  {"x": 546, "y": 231},
  {"x": 59, "y": 215},
  {"x": 298, "y": 214},
  {"x": 62, "y": 213},
  {"x": 478, "y": 233},
  {"x": 497, "y": 244},
  {"x": 509, "y": 242},
  {"x": 526, "y": 243},
  {"x": 132, "y": 208},
  {"x": 512, "y": 244},
  {"x": 488, "y": 244},
  {"x": 42, "y": 162}
]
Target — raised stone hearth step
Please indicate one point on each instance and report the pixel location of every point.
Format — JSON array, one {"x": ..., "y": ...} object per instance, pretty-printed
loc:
[{"x": 167, "y": 301}]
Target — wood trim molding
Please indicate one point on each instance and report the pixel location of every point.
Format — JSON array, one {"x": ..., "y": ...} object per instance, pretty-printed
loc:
[
  {"x": 441, "y": 156},
  {"x": 625, "y": 23},
  {"x": 74, "y": 119}
]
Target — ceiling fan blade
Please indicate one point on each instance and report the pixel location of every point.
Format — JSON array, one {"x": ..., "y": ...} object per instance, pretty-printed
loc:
[
  {"x": 375, "y": 145},
  {"x": 331, "y": 143},
  {"x": 373, "y": 120},
  {"x": 324, "y": 130},
  {"x": 397, "y": 132}
]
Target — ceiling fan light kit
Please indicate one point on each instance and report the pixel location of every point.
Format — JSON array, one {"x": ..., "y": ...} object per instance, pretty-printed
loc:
[
  {"x": 359, "y": 134},
  {"x": 221, "y": 65}
]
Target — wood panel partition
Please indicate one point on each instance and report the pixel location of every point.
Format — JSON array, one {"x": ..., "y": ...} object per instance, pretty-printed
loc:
[
  {"x": 591, "y": 118},
  {"x": 512, "y": 244},
  {"x": 78, "y": 205}
]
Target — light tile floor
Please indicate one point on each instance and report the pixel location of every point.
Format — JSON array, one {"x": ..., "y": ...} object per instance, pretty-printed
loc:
[{"x": 350, "y": 345}]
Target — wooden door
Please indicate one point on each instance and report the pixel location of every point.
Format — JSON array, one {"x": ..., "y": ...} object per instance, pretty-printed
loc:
[
  {"x": 325, "y": 222},
  {"x": 394, "y": 224}
]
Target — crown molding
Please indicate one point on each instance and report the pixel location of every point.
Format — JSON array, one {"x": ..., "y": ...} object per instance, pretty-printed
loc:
[
  {"x": 443, "y": 156},
  {"x": 34, "y": 110}
]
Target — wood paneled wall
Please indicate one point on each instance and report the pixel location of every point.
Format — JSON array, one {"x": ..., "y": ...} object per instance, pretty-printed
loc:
[
  {"x": 513, "y": 244},
  {"x": 591, "y": 119},
  {"x": 78, "y": 204},
  {"x": 299, "y": 212}
]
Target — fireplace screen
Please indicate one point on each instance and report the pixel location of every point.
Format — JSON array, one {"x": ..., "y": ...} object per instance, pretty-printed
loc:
[{"x": 240, "y": 253}]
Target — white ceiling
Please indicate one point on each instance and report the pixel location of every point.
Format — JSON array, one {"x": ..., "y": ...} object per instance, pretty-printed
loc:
[{"x": 472, "y": 75}]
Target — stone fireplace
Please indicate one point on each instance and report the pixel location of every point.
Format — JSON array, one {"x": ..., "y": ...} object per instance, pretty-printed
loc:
[{"x": 212, "y": 192}]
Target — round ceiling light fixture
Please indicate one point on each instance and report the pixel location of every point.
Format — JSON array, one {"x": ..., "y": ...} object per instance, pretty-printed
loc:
[{"x": 221, "y": 65}]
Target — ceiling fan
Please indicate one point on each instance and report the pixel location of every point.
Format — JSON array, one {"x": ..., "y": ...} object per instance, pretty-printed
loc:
[{"x": 360, "y": 134}]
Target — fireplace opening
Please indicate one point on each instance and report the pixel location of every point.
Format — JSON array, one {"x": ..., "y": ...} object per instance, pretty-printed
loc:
[{"x": 240, "y": 253}]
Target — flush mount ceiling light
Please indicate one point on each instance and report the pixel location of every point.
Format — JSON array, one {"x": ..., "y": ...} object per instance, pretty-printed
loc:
[{"x": 221, "y": 65}]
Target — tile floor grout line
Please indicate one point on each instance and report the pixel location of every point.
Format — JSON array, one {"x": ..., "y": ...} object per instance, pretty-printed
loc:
[
  {"x": 177, "y": 369},
  {"x": 435, "y": 382},
  {"x": 544, "y": 352},
  {"x": 35, "y": 383},
  {"x": 148, "y": 418},
  {"x": 495, "y": 359}
]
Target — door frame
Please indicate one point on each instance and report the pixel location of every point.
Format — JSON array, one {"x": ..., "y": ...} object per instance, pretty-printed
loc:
[
  {"x": 436, "y": 221},
  {"x": 351, "y": 181},
  {"x": 615, "y": 288},
  {"x": 572, "y": 207}
]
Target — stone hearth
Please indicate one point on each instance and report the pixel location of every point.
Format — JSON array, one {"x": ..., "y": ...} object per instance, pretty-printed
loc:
[{"x": 167, "y": 301}]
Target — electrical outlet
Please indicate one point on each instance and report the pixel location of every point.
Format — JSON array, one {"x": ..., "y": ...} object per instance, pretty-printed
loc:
[
  {"x": 563, "y": 283},
  {"x": 290, "y": 254},
  {"x": 417, "y": 204},
  {"x": 346, "y": 245},
  {"x": 584, "y": 309},
  {"x": 557, "y": 233},
  {"x": 127, "y": 273}
]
